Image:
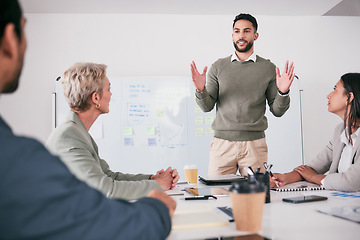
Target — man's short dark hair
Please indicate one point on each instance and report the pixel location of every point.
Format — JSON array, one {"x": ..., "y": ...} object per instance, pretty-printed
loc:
[
  {"x": 248, "y": 17},
  {"x": 10, "y": 12}
]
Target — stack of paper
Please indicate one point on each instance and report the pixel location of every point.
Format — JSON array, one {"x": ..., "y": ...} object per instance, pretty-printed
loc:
[{"x": 197, "y": 218}]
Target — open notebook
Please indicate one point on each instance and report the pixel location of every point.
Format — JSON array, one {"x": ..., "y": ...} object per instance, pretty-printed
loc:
[{"x": 299, "y": 186}]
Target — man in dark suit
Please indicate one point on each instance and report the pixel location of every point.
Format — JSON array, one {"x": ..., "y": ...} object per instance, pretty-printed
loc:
[{"x": 39, "y": 197}]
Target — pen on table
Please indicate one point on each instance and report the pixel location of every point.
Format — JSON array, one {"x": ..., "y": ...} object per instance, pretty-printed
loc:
[
  {"x": 182, "y": 183},
  {"x": 206, "y": 197}
]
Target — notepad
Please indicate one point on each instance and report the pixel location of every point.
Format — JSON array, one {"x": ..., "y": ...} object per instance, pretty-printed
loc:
[
  {"x": 198, "y": 218},
  {"x": 176, "y": 191},
  {"x": 299, "y": 186},
  {"x": 214, "y": 191}
]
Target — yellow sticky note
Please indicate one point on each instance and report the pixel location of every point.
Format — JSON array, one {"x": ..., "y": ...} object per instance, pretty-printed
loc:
[
  {"x": 199, "y": 120},
  {"x": 150, "y": 130},
  {"x": 209, "y": 132},
  {"x": 197, "y": 109},
  {"x": 199, "y": 132},
  {"x": 128, "y": 131},
  {"x": 209, "y": 120},
  {"x": 160, "y": 113}
]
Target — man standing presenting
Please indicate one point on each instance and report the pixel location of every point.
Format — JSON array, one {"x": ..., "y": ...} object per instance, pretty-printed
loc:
[{"x": 240, "y": 85}]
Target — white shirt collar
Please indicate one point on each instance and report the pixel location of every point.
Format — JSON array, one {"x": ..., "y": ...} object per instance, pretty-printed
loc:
[
  {"x": 354, "y": 136},
  {"x": 252, "y": 57},
  {"x": 347, "y": 152}
]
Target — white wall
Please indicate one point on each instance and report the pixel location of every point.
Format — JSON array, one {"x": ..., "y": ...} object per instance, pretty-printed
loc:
[{"x": 323, "y": 48}]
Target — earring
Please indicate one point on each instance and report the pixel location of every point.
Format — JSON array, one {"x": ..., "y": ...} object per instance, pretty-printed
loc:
[{"x": 97, "y": 105}]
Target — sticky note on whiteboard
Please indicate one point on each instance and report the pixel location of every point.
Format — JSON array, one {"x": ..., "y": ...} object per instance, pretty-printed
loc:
[
  {"x": 209, "y": 120},
  {"x": 151, "y": 142},
  {"x": 199, "y": 120},
  {"x": 197, "y": 109},
  {"x": 160, "y": 113},
  {"x": 128, "y": 131},
  {"x": 209, "y": 132},
  {"x": 150, "y": 130},
  {"x": 199, "y": 132},
  {"x": 128, "y": 142}
]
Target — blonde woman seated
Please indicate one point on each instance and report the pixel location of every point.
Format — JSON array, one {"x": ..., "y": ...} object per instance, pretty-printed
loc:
[
  {"x": 87, "y": 90},
  {"x": 340, "y": 159}
]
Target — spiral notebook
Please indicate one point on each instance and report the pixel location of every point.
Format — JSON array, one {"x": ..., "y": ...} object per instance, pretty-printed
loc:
[{"x": 299, "y": 186}]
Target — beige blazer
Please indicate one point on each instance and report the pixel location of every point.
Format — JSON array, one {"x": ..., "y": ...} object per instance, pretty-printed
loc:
[
  {"x": 77, "y": 149},
  {"x": 328, "y": 160}
]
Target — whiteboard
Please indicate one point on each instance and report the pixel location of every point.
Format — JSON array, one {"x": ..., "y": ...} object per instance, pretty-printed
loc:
[{"x": 154, "y": 122}]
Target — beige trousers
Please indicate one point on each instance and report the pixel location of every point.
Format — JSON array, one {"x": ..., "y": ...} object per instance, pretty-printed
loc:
[{"x": 226, "y": 157}]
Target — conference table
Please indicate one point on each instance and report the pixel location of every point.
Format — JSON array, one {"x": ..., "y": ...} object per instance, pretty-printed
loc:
[{"x": 281, "y": 220}]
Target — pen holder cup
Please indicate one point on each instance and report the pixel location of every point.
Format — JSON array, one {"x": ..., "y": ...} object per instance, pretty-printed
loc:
[
  {"x": 265, "y": 178},
  {"x": 248, "y": 200}
]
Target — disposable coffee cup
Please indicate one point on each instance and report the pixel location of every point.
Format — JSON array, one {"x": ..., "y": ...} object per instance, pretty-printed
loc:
[
  {"x": 191, "y": 172},
  {"x": 248, "y": 200}
]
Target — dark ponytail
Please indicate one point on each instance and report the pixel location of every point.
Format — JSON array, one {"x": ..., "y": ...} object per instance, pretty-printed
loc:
[{"x": 351, "y": 82}]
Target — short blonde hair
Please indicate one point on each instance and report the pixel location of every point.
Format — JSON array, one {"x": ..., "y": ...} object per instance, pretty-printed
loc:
[{"x": 80, "y": 81}]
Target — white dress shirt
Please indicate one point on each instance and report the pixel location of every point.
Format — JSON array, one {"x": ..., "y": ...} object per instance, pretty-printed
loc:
[
  {"x": 345, "y": 159},
  {"x": 252, "y": 57}
]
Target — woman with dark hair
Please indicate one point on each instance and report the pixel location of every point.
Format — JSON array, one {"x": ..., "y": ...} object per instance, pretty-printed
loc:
[{"x": 340, "y": 159}]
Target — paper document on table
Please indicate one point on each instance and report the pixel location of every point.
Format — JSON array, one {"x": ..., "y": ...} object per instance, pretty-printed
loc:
[
  {"x": 347, "y": 212},
  {"x": 176, "y": 191},
  {"x": 214, "y": 191},
  {"x": 198, "y": 218}
]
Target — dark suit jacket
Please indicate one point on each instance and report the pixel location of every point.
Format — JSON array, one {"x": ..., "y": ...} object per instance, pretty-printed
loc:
[{"x": 41, "y": 199}]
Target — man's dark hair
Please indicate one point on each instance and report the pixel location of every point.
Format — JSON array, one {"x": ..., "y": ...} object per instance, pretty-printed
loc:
[
  {"x": 10, "y": 12},
  {"x": 248, "y": 17}
]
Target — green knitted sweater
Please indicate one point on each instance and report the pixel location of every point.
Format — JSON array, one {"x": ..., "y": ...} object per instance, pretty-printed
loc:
[{"x": 240, "y": 91}]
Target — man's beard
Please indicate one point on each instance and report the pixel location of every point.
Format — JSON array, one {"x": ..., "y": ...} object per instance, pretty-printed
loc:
[
  {"x": 13, "y": 85},
  {"x": 246, "y": 49}
]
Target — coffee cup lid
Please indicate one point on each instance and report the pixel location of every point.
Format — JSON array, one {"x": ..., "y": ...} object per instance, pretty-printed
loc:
[
  {"x": 250, "y": 186},
  {"x": 190, "y": 166}
]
